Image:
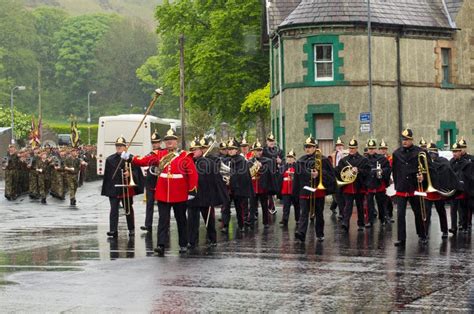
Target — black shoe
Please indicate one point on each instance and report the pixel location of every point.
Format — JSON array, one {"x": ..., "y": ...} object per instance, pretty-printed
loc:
[
  {"x": 360, "y": 228},
  {"x": 241, "y": 229},
  {"x": 224, "y": 230},
  {"x": 299, "y": 236},
  {"x": 399, "y": 244},
  {"x": 445, "y": 235},
  {"x": 453, "y": 231},
  {"x": 183, "y": 250},
  {"x": 160, "y": 250},
  {"x": 144, "y": 228},
  {"x": 73, "y": 201},
  {"x": 369, "y": 225},
  {"x": 43, "y": 201},
  {"x": 345, "y": 228},
  {"x": 112, "y": 234},
  {"x": 131, "y": 233},
  {"x": 423, "y": 240},
  {"x": 266, "y": 226},
  {"x": 320, "y": 239}
]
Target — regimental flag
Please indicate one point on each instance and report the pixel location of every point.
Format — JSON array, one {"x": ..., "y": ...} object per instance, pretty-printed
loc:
[
  {"x": 35, "y": 133},
  {"x": 74, "y": 134}
]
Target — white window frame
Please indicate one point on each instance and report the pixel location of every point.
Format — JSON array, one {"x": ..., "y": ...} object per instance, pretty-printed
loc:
[{"x": 323, "y": 79}]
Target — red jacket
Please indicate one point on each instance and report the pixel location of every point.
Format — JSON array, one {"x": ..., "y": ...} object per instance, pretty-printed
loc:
[
  {"x": 287, "y": 185},
  {"x": 178, "y": 178}
]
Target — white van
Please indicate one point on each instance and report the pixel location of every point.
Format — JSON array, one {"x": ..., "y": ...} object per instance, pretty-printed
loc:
[{"x": 111, "y": 127}]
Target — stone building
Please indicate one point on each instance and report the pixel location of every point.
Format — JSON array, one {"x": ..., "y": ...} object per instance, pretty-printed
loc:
[{"x": 422, "y": 70}]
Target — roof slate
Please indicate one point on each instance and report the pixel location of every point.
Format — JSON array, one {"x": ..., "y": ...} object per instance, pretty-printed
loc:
[
  {"x": 278, "y": 10},
  {"x": 418, "y": 13}
]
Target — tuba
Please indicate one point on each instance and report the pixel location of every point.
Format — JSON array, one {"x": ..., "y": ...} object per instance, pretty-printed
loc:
[{"x": 348, "y": 175}]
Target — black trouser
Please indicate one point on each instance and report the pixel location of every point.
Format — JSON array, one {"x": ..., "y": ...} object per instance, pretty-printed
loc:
[
  {"x": 439, "y": 205},
  {"x": 164, "y": 213},
  {"x": 114, "y": 213},
  {"x": 263, "y": 198},
  {"x": 470, "y": 209},
  {"x": 380, "y": 199},
  {"x": 458, "y": 206},
  {"x": 240, "y": 204},
  {"x": 289, "y": 200},
  {"x": 389, "y": 206},
  {"x": 318, "y": 205},
  {"x": 150, "y": 207},
  {"x": 193, "y": 224},
  {"x": 338, "y": 201},
  {"x": 349, "y": 203},
  {"x": 401, "y": 217},
  {"x": 225, "y": 213}
]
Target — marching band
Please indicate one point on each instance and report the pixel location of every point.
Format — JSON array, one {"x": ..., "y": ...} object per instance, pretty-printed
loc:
[{"x": 197, "y": 182}]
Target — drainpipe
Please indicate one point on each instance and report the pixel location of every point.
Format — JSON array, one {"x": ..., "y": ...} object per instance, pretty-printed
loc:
[
  {"x": 280, "y": 95},
  {"x": 399, "y": 86}
]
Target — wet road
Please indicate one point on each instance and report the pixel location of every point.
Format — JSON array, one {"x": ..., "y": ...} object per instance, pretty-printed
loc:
[{"x": 55, "y": 258}]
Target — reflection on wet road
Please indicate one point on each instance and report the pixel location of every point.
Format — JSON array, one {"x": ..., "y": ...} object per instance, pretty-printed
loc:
[{"x": 56, "y": 258}]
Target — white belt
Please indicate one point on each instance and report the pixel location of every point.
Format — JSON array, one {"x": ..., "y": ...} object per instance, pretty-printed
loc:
[
  {"x": 286, "y": 179},
  {"x": 171, "y": 176}
]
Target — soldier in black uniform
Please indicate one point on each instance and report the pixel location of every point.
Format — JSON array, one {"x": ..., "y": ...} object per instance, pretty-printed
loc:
[
  {"x": 150, "y": 184},
  {"x": 272, "y": 151},
  {"x": 263, "y": 183},
  {"x": 469, "y": 184},
  {"x": 459, "y": 206},
  {"x": 308, "y": 171},
  {"x": 240, "y": 183},
  {"x": 119, "y": 194},
  {"x": 377, "y": 181},
  {"x": 406, "y": 177},
  {"x": 435, "y": 198},
  {"x": 209, "y": 194},
  {"x": 353, "y": 191}
]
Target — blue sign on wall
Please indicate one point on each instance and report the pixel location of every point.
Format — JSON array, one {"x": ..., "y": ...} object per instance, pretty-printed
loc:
[{"x": 365, "y": 117}]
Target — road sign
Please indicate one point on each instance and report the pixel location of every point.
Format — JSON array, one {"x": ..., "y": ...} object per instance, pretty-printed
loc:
[
  {"x": 365, "y": 117},
  {"x": 365, "y": 127}
]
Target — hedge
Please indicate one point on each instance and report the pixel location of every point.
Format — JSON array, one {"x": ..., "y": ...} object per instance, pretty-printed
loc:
[{"x": 65, "y": 128}]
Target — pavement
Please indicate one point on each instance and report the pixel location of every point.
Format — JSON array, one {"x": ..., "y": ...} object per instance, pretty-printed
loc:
[{"x": 57, "y": 258}]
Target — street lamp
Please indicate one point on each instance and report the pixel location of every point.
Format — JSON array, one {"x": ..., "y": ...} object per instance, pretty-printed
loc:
[
  {"x": 89, "y": 115},
  {"x": 11, "y": 109}
]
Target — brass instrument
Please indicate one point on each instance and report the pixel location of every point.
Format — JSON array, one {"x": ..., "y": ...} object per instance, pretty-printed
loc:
[
  {"x": 255, "y": 167},
  {"x": 348, "y": 175},
  {"x": 127, "y": 182},
  {"x": 378, "y": 171},
  {"x": 318, "y": 166},
  {"x": 224, "y": 170}
]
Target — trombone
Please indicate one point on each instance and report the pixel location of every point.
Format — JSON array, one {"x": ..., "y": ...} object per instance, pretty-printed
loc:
[
  {"x": 127, "y": 183},
  {"x": 318, "y": 166}
]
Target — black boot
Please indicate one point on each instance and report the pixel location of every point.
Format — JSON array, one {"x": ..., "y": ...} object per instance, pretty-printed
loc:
[
  {"x": 112, "y": 234},
  {"x": 43, "y": 201}
]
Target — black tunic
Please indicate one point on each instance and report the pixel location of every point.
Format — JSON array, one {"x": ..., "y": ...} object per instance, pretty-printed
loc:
[
  {"x": 267, "y": 175},
  {"x": 372, "y": 182},
  {"x": 302, "y": 176},
  {"x": 405, "y": 168},
  {"x": 358, "y": 161},
  {"x": 240, "y": 180},
  {"x": 108, "y": 184}
]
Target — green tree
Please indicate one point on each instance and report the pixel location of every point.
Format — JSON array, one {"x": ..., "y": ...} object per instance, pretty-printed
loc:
[
  {"x": 76, "y": 43},
  {"x": 124, "y": 48},
  {"x": 223, "y": 55},
  {"x": 22, "y": 122},
  {"x": 257, "y": 109}
]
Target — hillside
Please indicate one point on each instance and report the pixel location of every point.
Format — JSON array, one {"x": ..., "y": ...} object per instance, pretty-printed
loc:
[{"x": 142, "y": 9}]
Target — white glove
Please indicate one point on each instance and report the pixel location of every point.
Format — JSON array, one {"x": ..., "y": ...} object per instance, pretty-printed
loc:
[
  {"x": 125, "y": 155},
  {"x": 191, "y": 197}
]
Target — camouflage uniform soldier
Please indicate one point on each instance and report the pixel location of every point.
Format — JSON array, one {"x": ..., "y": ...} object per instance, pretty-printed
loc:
[
  {"x": 11, "y": 168},
  {"x": 72, "y": 166},
  {"x": 33, "y": 180},
  {"x": 58, "y": 184},
  {"x": 41, "y": 169}
]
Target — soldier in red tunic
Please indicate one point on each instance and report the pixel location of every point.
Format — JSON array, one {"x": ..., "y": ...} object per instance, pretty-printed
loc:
[
  {"x": 177, "y": 183},
  {"x": 287, "y": 172}
]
